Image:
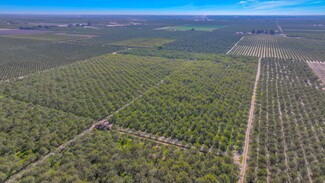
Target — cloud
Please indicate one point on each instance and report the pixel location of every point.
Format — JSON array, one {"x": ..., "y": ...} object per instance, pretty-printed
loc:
[
  {"x": 272, "y": 4},
  {"x": 247, "y": 2}
]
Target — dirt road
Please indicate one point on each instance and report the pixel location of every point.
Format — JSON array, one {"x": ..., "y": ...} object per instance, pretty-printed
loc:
[
  {"x": 235, "y": 45},
  {"x": 249, "y": 125}
]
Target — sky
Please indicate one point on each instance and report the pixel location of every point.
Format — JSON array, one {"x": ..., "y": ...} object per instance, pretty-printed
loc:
[{"x": 165, "y": 7}]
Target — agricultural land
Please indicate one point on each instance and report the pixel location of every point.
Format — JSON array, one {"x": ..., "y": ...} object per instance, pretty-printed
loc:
[{"x": 162, "y": 99}]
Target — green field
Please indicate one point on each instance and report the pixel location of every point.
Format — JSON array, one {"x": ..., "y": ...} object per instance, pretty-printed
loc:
[{"x": 192, "y": 28}]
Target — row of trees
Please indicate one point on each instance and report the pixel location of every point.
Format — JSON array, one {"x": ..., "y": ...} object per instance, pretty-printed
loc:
[
  {"x": 279, "y": 47},
  {"x": 110, "y": 157},
  {"x": 288, "y": 136},
  {"x": 271, "y": 32},
  {"x": 203, "y": 102}
]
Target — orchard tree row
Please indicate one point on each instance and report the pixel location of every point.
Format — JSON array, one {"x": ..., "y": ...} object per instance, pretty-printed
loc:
[
  {"x": 288, "y": 137},
  {"x": 280, "y": 47}
]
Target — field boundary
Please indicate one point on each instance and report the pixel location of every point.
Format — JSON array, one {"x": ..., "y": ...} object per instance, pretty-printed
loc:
[
  {"x": 249, "y": 125},
  {"x": 234, "y": 45}
]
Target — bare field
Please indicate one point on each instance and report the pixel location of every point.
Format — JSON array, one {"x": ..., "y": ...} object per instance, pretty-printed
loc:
[
  {"x": 276, "y": 47},
  {"x": 319, "y": 69}
]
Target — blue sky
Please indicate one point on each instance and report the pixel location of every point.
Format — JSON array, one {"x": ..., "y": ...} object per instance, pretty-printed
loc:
[{"x": 174, "y": 7}]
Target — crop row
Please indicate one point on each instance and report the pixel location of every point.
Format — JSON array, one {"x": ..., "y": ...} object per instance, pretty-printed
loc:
[
  {"x": 276, "y": 47},
  {"x": 287, "y": 143},
  {"x": 93, "y": 88},
  {"x": 204, "y": 102}
]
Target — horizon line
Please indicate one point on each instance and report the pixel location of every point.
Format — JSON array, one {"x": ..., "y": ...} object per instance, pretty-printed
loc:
[{"x": 121, "y": 14}]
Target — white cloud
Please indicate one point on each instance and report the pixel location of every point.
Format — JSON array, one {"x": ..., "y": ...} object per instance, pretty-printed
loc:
[{"x": 271, "y": 4}]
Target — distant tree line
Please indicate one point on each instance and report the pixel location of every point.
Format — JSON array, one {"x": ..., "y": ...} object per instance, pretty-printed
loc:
[{"x": 270, "y": 32}]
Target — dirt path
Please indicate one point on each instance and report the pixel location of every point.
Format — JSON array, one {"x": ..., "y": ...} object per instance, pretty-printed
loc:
[
  {"x": 235, "y": 45},
  {"x": 319, "y": 70},
  {"x": 280, "y": 29},
  {"x": 249, "y": 125}
]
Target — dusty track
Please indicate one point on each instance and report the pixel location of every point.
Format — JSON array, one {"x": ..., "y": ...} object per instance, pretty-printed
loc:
[
  {"x": 280, "y": 29},
  {"x": 319, "y": 70},
  {"x": 235, "y": 45},
  {"x": 249, "y": 125}
]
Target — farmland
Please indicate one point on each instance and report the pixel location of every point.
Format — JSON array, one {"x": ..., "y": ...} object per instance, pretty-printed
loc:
[
  {"x": 49, "y": 36},
  {"x": 19, "y": 32},
  {"x": 118, "y": 99},
  {"x": 44, "y": 55},
  {"x": 205, "y": 42},
  {"x": 287, "y": 143},
  {"x": 279, "y": 47},
  {"x": 143, "y": 42},
  {"x": 119, "y": 158},
  {"x": 28, "y": 132},
  {"x": 93, "y": 88},
  {"x": 191, "y": 105}
]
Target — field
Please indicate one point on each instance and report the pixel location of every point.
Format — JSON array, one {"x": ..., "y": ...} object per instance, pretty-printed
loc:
[
  {"x": 192, "y": 28},
  {"x": 19, "y": 32},
  {"x": 28, "y": 132},
  {"x": 173, "y": 54},
  {"x": 205, "y": 42},
  {"x": 189, "y": 105},
  {"x": 278, "y": 47},
  {"x": 89, "y": 86},
  {"x": 319, "y": 69},
  {"x": 49, "y": 36},
  {"x": 287, "y": 143},
  {"x": 152, "y": 42},
  {"x": 119, "y": 158},
  {"x": 93, "y": 88},
  {"x": 44, "y": 55},
  {"x": 113, "y": 99},
  {"x": 8, "y": 43}
]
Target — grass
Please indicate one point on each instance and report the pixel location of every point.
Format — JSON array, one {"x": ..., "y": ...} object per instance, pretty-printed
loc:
[
  {"x": 193, "y": 28},
  {"x": 143, "y": 42}
]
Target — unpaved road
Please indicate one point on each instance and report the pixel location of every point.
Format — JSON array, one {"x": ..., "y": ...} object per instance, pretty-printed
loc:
[
  {"x": 280, "y": 29},
  {"x": 235, "y": 45},
  {"x": 319, "y": 69},
  {"x": 249, "y": 125}
]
